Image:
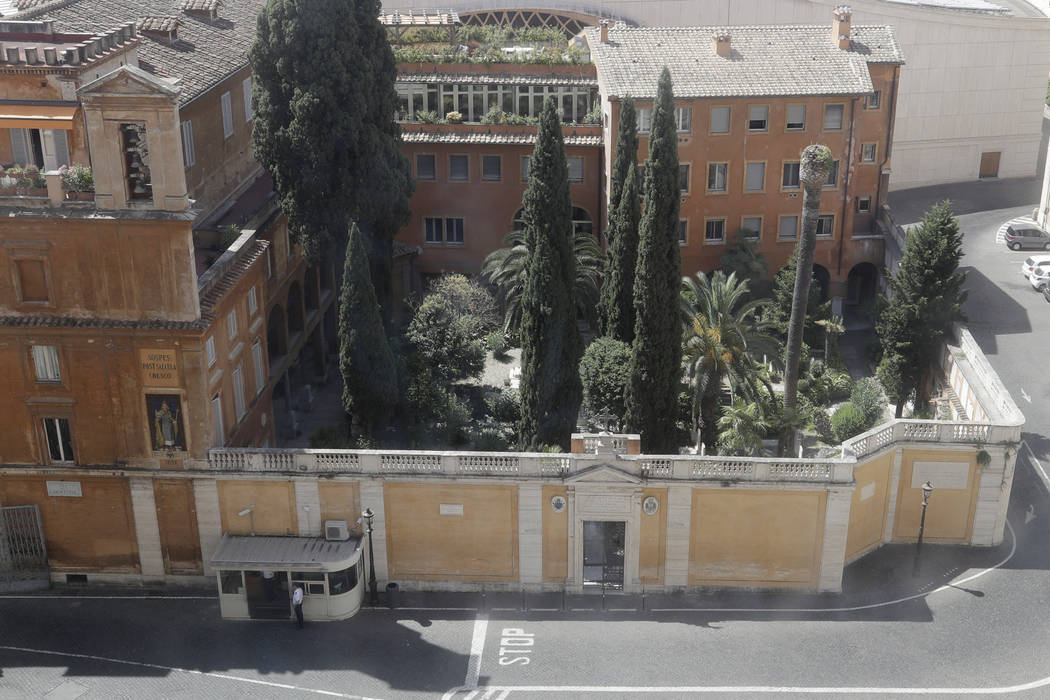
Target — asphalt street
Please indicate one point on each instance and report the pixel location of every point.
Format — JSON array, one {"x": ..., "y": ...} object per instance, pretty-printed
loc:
[{"x": 972, "y": 622}]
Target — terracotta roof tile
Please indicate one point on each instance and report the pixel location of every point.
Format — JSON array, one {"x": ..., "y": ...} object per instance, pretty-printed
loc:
[
  {"x": 161, "y": 23},
  {"x": 499, "y": 138},
  {"x": 200, "y": 5}
]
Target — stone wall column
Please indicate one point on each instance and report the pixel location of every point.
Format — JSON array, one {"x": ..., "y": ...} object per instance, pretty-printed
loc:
[
  {"x": 891, "y": 499},
  {"x": 992, "y": 498},
  {"x": 308, "y": 508},
  {"x": 530, "y": 535},
  {"x": 679, "y": 527},
  {"x": 147, "y": 531},
  {"x": 209, "y": 522},
  {"x": 836, "y": 528},
  {"x": 372, "y": 497}
]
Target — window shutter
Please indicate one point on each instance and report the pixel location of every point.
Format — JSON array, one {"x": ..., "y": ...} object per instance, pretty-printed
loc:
[
  {"x": 61, "y": 147},
  {"x": 19, "y": 146},
  {"x": 756, "y": 176},
  {"x": 246, "y": 88}
]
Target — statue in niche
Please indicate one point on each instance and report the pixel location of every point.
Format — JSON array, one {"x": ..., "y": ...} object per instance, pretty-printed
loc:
[{"x": 165, "y": 419}]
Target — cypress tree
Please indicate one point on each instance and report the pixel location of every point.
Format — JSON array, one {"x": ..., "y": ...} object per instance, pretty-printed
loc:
[
  {"x": 626, "y": 152},
  {"x": 551, "y": 390},
  {"x": 616, "y": 304},
  {"x": 324, "y": 100},
  {"x": 652, "y": 395},
  {"x": 365, "y": 359}
]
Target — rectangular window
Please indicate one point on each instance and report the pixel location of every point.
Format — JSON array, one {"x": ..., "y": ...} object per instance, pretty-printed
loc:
[
  {"x": 238, "y": 393},
  {"x": 833, "y": 175},
  {"x": 458, "y": 168},
  {"x": 683, "y": 232},
  {"x": 575, "y": 168},
  {"x": 790, "y": 181},
  {"x": 260, "y": 368},
  {"x": 645, "y": 119},
  {"x": 717, "y": 174},
  {"x": 425, "y": 169},
  {"x": 216, "y": 416},
  {"x": 833, "y": 117},
  {"x": 755, "y": 178},
  {"x": 757, "y": 117},
  {"x": 32, "y": 280},
  {"x": 227, "y": 115},
  {"x": 788, "y": 228},
  {"x": 253, "y": 302},
  {"x": 683, "y": 118},
  {"x": 864, "y": 205},
  {"x": 751, "y": 227},
  {"x": 435, "y": 229},
  {"x": 525, "y": 169},
  {"x": 231, "y": 325},
  {"x": 826, "y": 225},
  {"x": 867, "y": 152},
  {"x": 231, "y": 581},
  {"x": 873, "y": 101},
  {"x": 209, "y": 350},
  {"x": 189, "y": 157},
  {"x": 796, "y": 117},
  {"x": 715, "y": 230},
  {"x": 59, "y": 440},
  {"x": 683, "y": 178},
  {"x": 246, "y": 91},
  {"x": 720, "y": 120},
  {"x": 45, "y": 360},
  {"x": 453, "y": 230},
  {"x": 491, "y": 168}
]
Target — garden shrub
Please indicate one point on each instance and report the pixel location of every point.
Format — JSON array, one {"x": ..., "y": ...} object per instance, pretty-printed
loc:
[
  {"x": 840, "y": 385},
  {"x": 848, "y": 421},
  {"x": 489, "y": 440},
  {"x": 605, "y": 371},
  {"x": 822, "y": 424},
  {"x": 445, "y": 340},
  {"x": 497, "y": 343},
  {"x": 867, "y": 396},
  {"x": 505, "y": 406},
  {"x": 328, "y": 437}
]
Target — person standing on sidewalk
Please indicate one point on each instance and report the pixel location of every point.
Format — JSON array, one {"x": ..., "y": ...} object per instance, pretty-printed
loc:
[{"x": 297, "y": 604}]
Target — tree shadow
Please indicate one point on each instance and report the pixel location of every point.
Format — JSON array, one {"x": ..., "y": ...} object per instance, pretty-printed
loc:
[{"x": 987, "y": 300}]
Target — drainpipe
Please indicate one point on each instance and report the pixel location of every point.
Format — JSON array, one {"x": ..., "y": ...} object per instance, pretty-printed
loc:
[{"x": 846, "y": 183}]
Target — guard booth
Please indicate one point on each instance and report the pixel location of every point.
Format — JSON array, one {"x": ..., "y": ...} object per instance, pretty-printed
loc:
[{"x": 256, "y": 574}]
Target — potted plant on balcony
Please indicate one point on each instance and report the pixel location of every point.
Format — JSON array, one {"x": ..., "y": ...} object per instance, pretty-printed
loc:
[
  {"x": 9, "y": 180},
  {"x": 33, "y": 182},
  {"x": 78, "y": 182}
]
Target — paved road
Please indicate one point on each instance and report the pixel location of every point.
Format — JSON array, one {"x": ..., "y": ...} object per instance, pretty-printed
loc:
[{"x": 972, "y": 621}]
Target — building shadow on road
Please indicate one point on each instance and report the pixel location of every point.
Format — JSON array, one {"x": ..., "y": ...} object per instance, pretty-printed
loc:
[
  {"x": 1010, "y": 318},
  {"x": 967, "y": 197}
]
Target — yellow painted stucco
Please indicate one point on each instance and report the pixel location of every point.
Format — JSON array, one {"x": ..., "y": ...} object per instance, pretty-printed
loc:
[
  {"x": 273, "y": 513},
  {"x": 341, "y": 500},
  {"x": 652, "y": 538},
  {"x": 867, "y": 513},
  {"x": 949, "y": 516}
]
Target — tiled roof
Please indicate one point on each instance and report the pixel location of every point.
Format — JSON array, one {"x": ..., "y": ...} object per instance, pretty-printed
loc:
[
  {"x": 94, "y": 322},
  {"x": 165, "y": 23},
  {"x": 765, "y": 61},
  {"x": 205, "y": 52},
  {"x": 229, "y": 277},
  {"x": 200, "y": 5},
  {"x": 521, "y": 139},
  {"x": 496, "y": 79}
]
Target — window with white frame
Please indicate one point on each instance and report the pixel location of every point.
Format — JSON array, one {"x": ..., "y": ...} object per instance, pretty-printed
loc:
[
  {"x": 645, "y": 118},
  {"x": 717, "y": 176},
  {"x": 260, "y": 368},
  {"x": 720, "y": 120},
  {"x": 189, "y": 157},
  {"x": 873, "y": 101},
  {"x": 867, "y": 152},
  {"x": 755, "y": 177},
  {"x": 757, "y": 117},
  {"x": 453, "y": 230},
  {"x": 683, "y": 177},
  {"x": 59, "y": 440},
  {"x": 227, "y": 115},
  {"x": 751, "y": 227},
  {"x": 826, "y": 225},
  {"x": 45, "y": 361},
  {"x": 788, "y": 228},
  {"x": 253, "y": 301},
  {"x": 238, "y": 393},
  {"x": 491, "y": 168},
  {"x": 458, "y": 168},
  {"x": 796, "y": 117},
  {"x": 231, "y": 325},
  {"x": 209, "y": 350},
  {"x": 683, "y": 119},
  {"x": 833, "y": 117},
  {"x": 575, "y": 168},
  {"x": 246, "y": 90},
  {"x": 216, "y": 418},
  {"x": 864, "y": 205},
  {"x": 48, "y": 149},
  {"x": 833, "y": 175},
  {"x": 791, "y": 180},
  {"x": 715, "y": 230},
  {"x": 683, "y": 232}
]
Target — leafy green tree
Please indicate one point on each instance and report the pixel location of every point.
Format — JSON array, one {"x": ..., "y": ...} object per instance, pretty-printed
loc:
[
  {"x": 723, "y": 338},
  {"x": 741, "y": 427},
  {"x": 927, "y": 300},
  {"x": 365, "y": 359},
  {"x": 603, "y": 371},
  {"x": 446, "y": 342},
  {"x": 324, "y": 102},
  {"x": 743, "y": 258},
  {"x": 551, "y": 391},
  {"x": 470, "y": 301},
  {"x": 656, "y": 354},
  {"x": 893, "y": 374}
]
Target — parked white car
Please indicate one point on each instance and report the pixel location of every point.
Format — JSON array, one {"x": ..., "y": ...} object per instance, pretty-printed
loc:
[
  {"x": 1040, "y": 277},
  {"x": 1033, "y": 262}
]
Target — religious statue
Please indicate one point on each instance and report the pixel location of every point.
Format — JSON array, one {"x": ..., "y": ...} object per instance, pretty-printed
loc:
[{"x": 167, "y": 423}]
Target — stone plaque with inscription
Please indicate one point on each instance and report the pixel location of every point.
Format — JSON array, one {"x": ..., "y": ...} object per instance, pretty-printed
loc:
[
  {"x": 159, "y": 367},
  {"x": 614, "y": 505},
  {"x": 67, "y": 489}
]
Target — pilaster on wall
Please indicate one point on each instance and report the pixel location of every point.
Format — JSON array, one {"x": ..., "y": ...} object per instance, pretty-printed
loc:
[
  {"x": 993, "y": 496},
  {"x": 679, "y": 524},
  {"x": 308, "y": 508},
  {"x": 209, "y": 523},
  {"x": 836, "y": 529},
  {"x": 147, "y": 531},
  {"x": 530, "y": 534},
  {"x": 891, "y": 500},
  {"x": 372, "y": 497}
]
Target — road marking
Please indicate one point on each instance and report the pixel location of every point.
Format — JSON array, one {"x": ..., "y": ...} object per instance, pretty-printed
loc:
[
  {"x": 1025, "y": 396},
  {"x": 477, "y": 647},
  {"x": 1038, "y": 464},
  {"x": 1029, "y": 514},
  {"x": 190, "y": 671}
]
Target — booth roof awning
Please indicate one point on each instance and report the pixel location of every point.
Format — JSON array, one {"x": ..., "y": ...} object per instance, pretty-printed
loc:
[
  {"x": 50, "y": 115},
  {"x": 240, "y": 552}
]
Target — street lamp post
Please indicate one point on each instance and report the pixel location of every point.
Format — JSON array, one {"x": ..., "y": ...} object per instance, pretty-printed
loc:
[
  {"x": 368, "y": 515},
  {"x": 927, "y": 489}
]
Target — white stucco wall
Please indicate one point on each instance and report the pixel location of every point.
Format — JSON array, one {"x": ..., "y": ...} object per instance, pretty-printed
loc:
[{"x": 973, "y": 82}]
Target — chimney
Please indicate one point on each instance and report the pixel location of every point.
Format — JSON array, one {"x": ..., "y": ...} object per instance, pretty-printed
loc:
[
  {"x": 604, "y": 29},
  {"x": 840, "y": 27},
  {"x": 722, "y": 45}
]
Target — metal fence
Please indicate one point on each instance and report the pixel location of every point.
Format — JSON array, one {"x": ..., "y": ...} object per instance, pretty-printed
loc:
[{"x": 23, "y": 556}]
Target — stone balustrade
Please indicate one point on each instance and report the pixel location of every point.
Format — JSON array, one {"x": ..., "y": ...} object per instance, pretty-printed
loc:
[{"x": 940, "y": 432}]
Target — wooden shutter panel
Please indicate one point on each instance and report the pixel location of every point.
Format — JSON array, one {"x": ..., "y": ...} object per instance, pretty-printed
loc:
[
  {"x": 19, "y": 146},
  {"x": 61, "y": 147}
]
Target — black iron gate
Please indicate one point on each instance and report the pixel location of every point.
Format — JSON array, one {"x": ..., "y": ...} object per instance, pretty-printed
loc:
[{"x": 23, "y": 556}]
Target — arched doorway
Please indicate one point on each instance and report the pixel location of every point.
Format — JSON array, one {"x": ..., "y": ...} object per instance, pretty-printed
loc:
[
  {"x": 276, "y": 336},
  {"x": 822, "y": 278},
  {"x": 862, "y": 284}
]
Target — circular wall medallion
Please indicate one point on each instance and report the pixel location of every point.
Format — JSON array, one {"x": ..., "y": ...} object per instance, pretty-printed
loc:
[
  {"x": 650, "y": 505},
  {"x": 558, "y": 503}
]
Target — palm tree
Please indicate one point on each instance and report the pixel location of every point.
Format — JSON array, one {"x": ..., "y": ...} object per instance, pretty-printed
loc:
[
  {"x": 740, "y": 429},
  {"x": 723, "y": 339},
  {"x": 504, "y": 269}
]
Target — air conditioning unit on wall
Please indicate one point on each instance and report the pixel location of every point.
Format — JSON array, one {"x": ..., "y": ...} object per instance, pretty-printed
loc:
[{"x": 336, "y": 530}]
